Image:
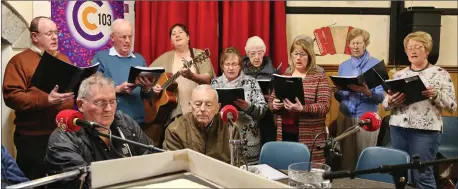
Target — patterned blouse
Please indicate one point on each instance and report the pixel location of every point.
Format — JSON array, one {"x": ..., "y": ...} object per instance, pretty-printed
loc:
[
  {"x": 425, "y": 114},
  {"x": 248, "y": 119}
]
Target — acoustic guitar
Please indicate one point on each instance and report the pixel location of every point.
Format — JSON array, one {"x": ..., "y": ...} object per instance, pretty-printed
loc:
[{"x": 166, "y": 97}]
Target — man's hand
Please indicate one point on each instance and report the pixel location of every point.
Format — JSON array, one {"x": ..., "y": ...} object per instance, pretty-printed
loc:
[
  {"x": 241, "y": 104},
  {"x": 277, "y": 104},
  {"x": 361, "y": 89},
  {"x": 144, "y": 82},
  {"x": 125, "y": 88},
  {"x": 293, "y": 107},
  {"x": 58, "y": 98}
]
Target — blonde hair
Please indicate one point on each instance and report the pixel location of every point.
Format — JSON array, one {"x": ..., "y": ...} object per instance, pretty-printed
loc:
[
  {"x": 355, "y": 32},
  {"x": 311, "y": 64},
  {"x": 307, "y": 38},
  {"x": 253, "y": 42},
  {"x": 423, "y": 37}
]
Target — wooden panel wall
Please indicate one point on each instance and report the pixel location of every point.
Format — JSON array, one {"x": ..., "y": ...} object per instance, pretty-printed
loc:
[{"x": 334, "y": 110}]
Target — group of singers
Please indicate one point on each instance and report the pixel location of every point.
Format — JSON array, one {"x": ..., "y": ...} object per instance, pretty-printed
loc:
[{"x": 109, "y": 100}]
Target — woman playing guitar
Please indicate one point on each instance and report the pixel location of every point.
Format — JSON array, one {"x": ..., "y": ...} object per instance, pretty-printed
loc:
[{"x": 200, "y": 71}]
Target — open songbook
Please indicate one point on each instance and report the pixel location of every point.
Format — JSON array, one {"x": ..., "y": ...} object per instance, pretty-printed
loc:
[
  {"x": 288, "y": 87},
  {"x": 152, "y": 73},
  {"x": 373, "y": 77},
  {"x": 227, "y": 96},
  {"x": 52, "y": 71},
  {"x": 410, "y": 86}
]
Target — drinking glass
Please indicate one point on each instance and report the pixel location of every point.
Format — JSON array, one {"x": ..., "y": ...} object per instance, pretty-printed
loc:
[{"x": 308, "y": 175}]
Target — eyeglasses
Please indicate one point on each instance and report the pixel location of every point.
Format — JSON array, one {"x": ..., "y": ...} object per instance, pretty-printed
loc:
[
  {"x": 415, "y": 48},
  {"x": 227, "y": 65},
  {"x": 50, "y": 33},
  {"x": 299, "y": 54},
  {"x": 104, "y": 103},
  {"x": 259, "y": 53},
  {"x": 125, "y": 37}
]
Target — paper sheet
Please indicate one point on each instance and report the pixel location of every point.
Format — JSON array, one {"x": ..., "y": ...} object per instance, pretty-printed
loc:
[{"x": 268, "y": 172}]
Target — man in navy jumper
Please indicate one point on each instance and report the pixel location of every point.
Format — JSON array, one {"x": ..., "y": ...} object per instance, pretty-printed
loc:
[{"x": 115, "y": 63}]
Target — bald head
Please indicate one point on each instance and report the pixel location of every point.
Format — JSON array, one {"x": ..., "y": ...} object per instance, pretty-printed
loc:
[
  {"x": 120, "y": 25},
  {"x": 43, "y": 32},
  {"x": 204, "y": 104},
  {"x": 121, "y": 35}
]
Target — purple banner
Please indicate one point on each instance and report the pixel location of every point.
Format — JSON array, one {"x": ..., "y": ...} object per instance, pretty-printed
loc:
[{"x": 85, "y": 27}]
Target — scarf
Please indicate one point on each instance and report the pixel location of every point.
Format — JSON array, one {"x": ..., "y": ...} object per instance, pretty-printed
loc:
[
  {"x": 360, "y": 62},
  {"x": 237, "y": 82}
]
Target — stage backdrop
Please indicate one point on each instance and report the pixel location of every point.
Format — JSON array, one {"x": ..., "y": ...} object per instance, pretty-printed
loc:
[{"x": 85, "y": 27}]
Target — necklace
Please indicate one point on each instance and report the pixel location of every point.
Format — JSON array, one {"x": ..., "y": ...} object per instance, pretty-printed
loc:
[{"x": 410, "y": 67}]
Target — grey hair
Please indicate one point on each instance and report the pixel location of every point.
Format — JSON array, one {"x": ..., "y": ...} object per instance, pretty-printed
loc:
[
  {"x": 206, "y": 87},
  {"x": 253, "y": 42},
  {"x": 307, "y": 38},
  {"x": 96, "y": 80},
  {"x": 117, "y": 22}
]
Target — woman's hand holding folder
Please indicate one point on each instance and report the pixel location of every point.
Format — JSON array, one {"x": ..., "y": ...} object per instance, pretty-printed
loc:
[
  {"x": 360, "y": 89},
  {"x": 277, "y": 104},
  {"x": 293, "y": 107},
  {"x": 395, "y": 99},
  {"x": 430, "y": 92}
]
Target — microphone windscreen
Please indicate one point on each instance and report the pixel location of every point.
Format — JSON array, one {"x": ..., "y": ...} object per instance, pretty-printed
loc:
[
  {"x": 64, "y": 120},
  {"x": 375, "y": 124},
  {"x": 229, "y": 109}
]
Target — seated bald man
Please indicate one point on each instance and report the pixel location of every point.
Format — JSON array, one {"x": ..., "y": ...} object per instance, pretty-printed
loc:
[{"x": 202, "y": 129}]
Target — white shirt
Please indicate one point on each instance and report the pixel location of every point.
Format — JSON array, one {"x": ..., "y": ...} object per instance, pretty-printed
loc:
[
  {"x": 426, "y": 114},
  {"x": 114, "y": 52}
]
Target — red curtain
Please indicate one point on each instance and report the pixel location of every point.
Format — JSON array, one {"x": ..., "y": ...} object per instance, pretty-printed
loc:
[
  {"x": 244, "y": 19},
  {"x": 153, "y": 20}
]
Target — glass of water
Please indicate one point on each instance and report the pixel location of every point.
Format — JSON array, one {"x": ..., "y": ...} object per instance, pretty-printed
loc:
[{"x": 308, "y": 175}]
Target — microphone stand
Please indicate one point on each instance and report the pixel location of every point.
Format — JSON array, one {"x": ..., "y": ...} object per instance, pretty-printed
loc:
[
  {"x": 52, "y": 178},
  {"x": 330, "y": 143},
  {"x": 149, "y": 147},
  {"x": 398, "y": 171},
  {"x": 237, "y": 147}
]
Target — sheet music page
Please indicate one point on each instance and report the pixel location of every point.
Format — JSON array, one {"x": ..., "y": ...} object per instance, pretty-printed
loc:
[
  {"x": 269, "y": 172},
  {"x": 178, "y": 183}
]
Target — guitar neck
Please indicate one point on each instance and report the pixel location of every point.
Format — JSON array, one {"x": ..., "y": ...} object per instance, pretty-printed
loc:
[{"x": 171, "y": 80}]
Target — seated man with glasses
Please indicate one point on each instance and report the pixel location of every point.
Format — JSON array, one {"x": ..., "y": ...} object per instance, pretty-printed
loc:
[
  {"x": 35, "y": 110},
  {"x": 70, "y": 150},
  {"x": 202, "y": 129},
  {"x": 115, "y": 63}
]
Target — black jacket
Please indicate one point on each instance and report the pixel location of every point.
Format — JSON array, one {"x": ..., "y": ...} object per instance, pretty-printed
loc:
[
  {"x": 69, "y": 150},
  {"x": 266, "y": 68}
]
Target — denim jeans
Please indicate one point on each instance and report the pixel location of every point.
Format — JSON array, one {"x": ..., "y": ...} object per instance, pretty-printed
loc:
[{"x": 419, "y": 142}]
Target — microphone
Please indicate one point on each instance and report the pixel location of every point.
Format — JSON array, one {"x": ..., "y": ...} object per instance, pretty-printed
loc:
[
  {"x": 369, "y": 121},
  {"x": 72, "y": 121},
  {"x": 229, "y": 114}
]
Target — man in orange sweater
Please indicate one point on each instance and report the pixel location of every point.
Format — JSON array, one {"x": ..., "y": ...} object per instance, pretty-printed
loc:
[{"x": 35, "y": 110}]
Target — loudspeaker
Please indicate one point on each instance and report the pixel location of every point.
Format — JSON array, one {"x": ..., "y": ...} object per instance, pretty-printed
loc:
[{"x": 425, "y": 19}]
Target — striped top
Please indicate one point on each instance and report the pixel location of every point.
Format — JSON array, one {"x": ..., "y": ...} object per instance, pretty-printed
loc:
[{"x": 317, "y": 95}]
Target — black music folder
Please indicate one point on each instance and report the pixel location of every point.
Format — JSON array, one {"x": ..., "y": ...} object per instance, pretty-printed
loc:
[
  {"x": 373, "y": 77},
  {"x": 410, "y": 86},
  {"x": 227, "y": 96},
  {"x": 52, "y": 71},
  {"x": 152, "y": 73},
  {"x": 265, "y": 82},
  {"x": 288, "y": 87}
]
